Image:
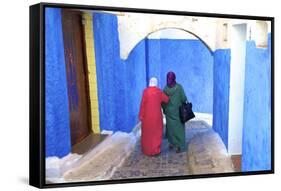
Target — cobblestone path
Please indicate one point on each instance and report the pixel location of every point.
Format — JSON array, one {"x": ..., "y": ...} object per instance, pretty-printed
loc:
[{"x": 168, "y": 163}]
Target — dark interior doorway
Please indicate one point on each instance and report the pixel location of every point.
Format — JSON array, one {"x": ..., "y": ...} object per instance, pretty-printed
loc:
[{"x": 77, "y": 76}]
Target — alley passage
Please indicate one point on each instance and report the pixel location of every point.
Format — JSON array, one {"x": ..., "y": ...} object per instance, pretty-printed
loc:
[
  {"x": 205, "y": 153},
  {"x": 200, "y": 157}
]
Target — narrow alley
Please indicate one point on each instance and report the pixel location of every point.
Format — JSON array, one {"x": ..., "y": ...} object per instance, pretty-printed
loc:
[
  {"x": 94, "y": 90},
  {"x": 205, "y": 153}
]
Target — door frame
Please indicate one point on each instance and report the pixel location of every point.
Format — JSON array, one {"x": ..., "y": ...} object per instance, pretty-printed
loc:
[{"x": 85, "y": 68}]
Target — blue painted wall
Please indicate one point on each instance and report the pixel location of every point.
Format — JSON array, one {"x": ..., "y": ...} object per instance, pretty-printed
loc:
[
  {"x": 153, "y": 59},
  {"x": 120, "y": 83},
  {"x": 221, "y": 93},
  {"x": 57, "y": 113},
  {"x": 193, "y": 64},
  {"x": 109, "y": 70},
  {"x": 256, "y": 152},
  {"x": 136, "y": 82}
]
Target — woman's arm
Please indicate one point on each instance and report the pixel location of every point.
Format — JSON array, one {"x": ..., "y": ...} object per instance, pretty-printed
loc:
[{"x": 165, "y": 100}]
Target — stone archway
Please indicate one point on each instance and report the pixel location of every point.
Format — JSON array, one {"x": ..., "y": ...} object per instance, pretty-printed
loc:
[
  {"x": 157, "y": 44},
  {"x": 134, "y": 27},
  {"x": 181, "y": 29}
]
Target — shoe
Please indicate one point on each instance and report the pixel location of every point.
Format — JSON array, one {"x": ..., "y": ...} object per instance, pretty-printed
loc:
[
  {"x": 171, "y": 146},
  {"x": 156, "y": 155}
]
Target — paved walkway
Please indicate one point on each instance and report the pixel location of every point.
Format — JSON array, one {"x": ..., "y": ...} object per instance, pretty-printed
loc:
[
  {"x": 205, "y": 154},
  {"x": 168, "y": 163}
]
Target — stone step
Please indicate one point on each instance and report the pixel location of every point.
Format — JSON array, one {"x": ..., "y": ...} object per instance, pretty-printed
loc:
[{"x": 102, "y": 162}]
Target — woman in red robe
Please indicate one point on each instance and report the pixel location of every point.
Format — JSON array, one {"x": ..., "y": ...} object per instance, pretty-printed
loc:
[{"x": 151, "y": 118}]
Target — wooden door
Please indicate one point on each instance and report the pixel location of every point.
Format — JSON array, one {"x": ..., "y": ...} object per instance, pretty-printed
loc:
[{"x": 77, "y": 77}]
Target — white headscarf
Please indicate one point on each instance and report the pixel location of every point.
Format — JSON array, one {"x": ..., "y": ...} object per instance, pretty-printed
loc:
[{"x": 153, "y": 82}]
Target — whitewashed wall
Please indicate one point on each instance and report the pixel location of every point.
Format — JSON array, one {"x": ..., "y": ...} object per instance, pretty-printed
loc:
[
  {"x": 171, "y": 34},
  {"x": 214, "y": 32},
  {"x": 133, "y": 27}
]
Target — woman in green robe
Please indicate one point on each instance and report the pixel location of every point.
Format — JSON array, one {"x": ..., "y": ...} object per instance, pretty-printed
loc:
[{"x": 175, "y": 129}]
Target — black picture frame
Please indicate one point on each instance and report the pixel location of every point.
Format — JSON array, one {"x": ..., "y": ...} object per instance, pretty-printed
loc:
[{"x": 37, "y": 94}]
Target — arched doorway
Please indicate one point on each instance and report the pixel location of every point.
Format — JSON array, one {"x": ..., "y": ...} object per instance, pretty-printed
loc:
[{"x": 178, "y": 50}]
